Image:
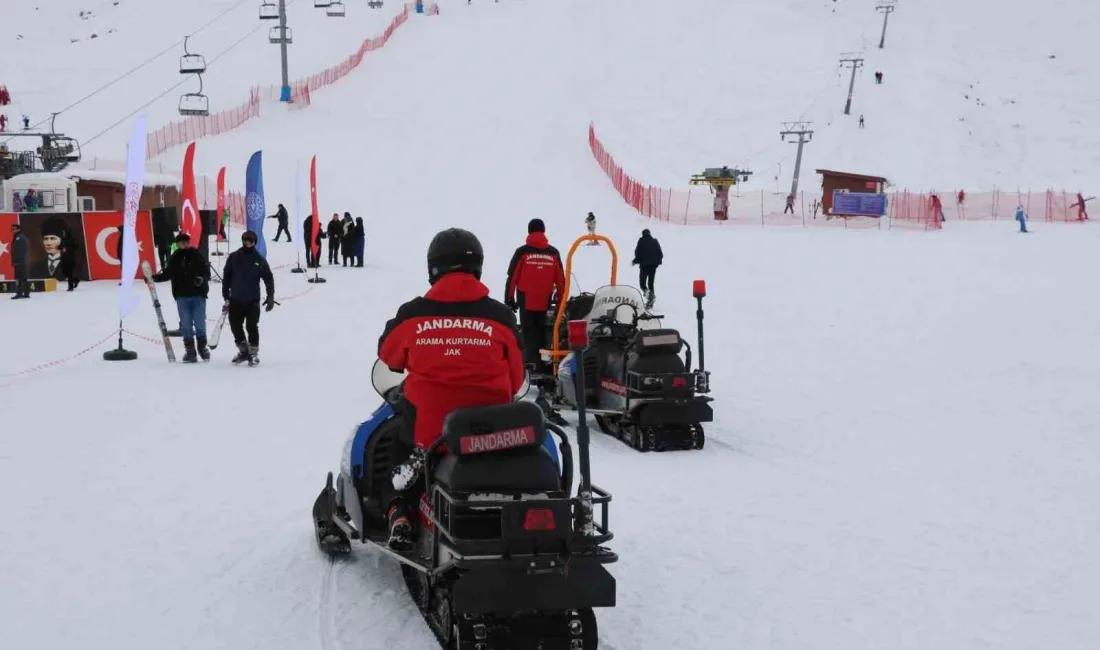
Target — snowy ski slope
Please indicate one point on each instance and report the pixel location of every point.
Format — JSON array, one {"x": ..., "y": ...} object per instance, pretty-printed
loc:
[{"x": 904, "y": 442}]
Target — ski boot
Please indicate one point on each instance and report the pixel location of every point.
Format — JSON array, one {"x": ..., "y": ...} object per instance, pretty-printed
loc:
[
  {"x": 650, "y": 299},
  {"x": 204, "y": 352},
  {"x": 242, "y": 354},
  {"x": 253, "y": 356},
  {"x": 400, "y": 530},
  {"x": 408, "y": 472},
  {"x": 189, "y": 355}
]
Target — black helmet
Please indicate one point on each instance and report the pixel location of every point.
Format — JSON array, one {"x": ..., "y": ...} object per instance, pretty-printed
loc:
[{"x": 453, "y": 250}]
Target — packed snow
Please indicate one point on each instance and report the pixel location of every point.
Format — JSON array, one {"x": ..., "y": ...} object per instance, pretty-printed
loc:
[{"x": 903, "y": 454}]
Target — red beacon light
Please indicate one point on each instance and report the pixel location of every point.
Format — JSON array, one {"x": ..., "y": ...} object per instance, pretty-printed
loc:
[
  {"x": 699, "y": 288},
  {"x": 578, "y": 334}
]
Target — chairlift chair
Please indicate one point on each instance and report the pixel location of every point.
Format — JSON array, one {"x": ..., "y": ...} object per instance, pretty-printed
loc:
[
  {"x": 193, "y": 104},
  {"x": 269, "y": 11},
  {"x": 191, "y": 63},
  {"x": 321, "y": 4},
  {"x": 375, "y": 4},
  {"x": 335, "y": 10},
  {"x": 275, "y": 37}
]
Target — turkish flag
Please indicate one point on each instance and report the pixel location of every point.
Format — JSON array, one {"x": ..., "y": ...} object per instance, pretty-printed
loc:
[
  {"x": 189, "y": 209},
  {"x": 101, "y": 242},
  {"x": 7, "y": 220}
]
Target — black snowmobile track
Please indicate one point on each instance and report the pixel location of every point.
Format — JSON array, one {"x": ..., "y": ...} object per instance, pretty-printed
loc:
[{"x": 680, "y": 438}]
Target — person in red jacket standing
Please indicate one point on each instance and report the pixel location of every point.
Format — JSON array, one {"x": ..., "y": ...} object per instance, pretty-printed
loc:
[
  {"x": 535, "y": 278},
  {"x": 460, "y": 349}
]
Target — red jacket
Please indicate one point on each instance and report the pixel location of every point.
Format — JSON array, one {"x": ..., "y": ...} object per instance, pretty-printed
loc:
[
  {"x": 460, "y": 347},
  {"x": 535, "y": 274}
]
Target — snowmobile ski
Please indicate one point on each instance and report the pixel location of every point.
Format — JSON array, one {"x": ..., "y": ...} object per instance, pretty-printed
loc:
[{"x": 148, "y": 273}]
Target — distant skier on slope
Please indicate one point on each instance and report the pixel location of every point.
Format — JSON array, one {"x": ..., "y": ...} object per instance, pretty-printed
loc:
[
  {"x": 1082, "y": 215},
  {"x": 1021, "y": 217}
]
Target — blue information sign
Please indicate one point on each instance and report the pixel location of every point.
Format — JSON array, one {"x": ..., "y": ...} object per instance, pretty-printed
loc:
[{"x": 859, "y": 204}]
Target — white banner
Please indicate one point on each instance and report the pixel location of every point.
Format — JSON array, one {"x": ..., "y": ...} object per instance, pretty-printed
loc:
[
  {"x": 135, "y": 179},
  {"x": 298, "y": 218}
]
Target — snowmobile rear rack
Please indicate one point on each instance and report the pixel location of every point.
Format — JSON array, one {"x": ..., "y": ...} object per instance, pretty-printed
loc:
[{"x": 556, "y": 353}]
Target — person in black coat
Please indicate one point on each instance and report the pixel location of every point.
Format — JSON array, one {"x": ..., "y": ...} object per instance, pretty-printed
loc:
[
  {"x": 335, "y": 231},
  {"x": 190, "y": 276},
  {"x": 647, "y": 256},
  {"x": 312, "y": 261},
  {"x": 244, "y": 270},
  {"x": 360, "y": 241},
  {"x": 284, "y": 222},
  {"x": 69, "y": 248},
  {"x": 347, "y": 239},
  {"x": 20, "y": 261}
]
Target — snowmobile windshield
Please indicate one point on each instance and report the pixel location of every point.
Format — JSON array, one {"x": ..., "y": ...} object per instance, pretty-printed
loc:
[{"x": 385, "y": 380}]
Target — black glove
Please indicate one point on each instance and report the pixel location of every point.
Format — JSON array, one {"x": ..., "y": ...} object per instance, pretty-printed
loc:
[
  {"x": 634, "y": 263},
  {"x": 269, "y": 304},
  {"x": 511, "y": 304}
]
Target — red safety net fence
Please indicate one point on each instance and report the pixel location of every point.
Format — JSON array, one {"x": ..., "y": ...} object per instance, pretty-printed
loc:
[
  {"x": 907, "y": 210},
  {"x": 193, "y": 128}
]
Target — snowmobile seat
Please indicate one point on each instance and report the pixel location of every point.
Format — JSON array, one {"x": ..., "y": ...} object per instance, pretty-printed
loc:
[{"x": 497, "y": 449}]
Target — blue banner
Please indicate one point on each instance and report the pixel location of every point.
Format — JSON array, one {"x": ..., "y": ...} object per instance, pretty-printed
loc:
[
  {"x": 859, "y": 204},
  {"x": 255, "y": 210}
]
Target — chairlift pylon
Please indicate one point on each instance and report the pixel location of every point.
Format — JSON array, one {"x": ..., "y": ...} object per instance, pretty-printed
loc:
[
  {"x": 269, "y": 11},
  {"x": 274, "y": 36},
  {"x": 335, "y": 10},
  {"x": 191, "y": 63},
  {"x": 195, "y": 104}
]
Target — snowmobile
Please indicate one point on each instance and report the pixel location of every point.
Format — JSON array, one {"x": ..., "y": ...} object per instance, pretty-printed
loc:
[
  {"x": 504, "y": 558},
  {"x": 637, "y": 385}
]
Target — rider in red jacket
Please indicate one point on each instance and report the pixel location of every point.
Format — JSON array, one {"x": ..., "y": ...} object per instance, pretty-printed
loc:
[
  {"x": 535, "y": 276},
  {"x": 460, "y": 349}
]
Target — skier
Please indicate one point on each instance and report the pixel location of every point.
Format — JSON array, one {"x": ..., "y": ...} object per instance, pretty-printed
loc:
[
  {"x": 536, "y": 279},
  {"x": 590, "y": 223},
  {"x": 1021, "y": 217},
  {"x": 26, "y": 123},
  {"x": 244, "y": 269},
  {"x": 878, "y": 77},
  {"x": 360, "y": 233},
  {"x": 647, "y": 256},
  {"x": 790, "y": 204},
  {"x": 284, "y": 222},
  {"x": 335, "y": 230},
  {"x": 190, "y": 276},
  {"x": 468, "y": 355},
  {"x": 1082, "y": 215},
  {"x": 3, "y": 122},
  {"x": 937, "y": 208},
  {"x": 861, "y": 120},
  {"x": 20, "y": 261}
]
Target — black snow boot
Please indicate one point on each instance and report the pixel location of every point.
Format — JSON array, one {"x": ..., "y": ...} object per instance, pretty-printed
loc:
[
  {"x": 242, "y": 353},
  {"x": 253, "y": 355},
  {"x": 400, "y": 530},
  {"x": 189, "y": 355},
  {"x": 204, "y": 351}
]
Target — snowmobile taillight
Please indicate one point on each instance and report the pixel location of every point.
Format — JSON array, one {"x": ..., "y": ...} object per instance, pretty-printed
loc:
[
  {"x": 699, "y": 288},
  {"x": 538, "y": 519},
  {"x": 578, "y": 334}
]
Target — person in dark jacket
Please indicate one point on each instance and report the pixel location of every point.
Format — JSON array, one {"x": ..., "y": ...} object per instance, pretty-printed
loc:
[
  {"x": 284, "y": 223},
  {"x": 347, "y": 239},
  {"x": 360, "y": 241},
  {"x": 190, "y": 276},
  {"x": 535, "y": 277},
  {"x": 647, "y": 256},
  {"x": 244, "y": 270},
  {"x": 312, "y": 261},
  {"x": 335, "y": 231},
  {"x": 69, "y": 248},
  {"x": 20, "y": 261},
  {"x": 460, "y": 349},
  {"x": 118, "y": 245}
]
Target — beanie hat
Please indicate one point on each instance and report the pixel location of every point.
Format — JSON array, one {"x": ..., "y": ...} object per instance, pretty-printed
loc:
[{"x": 535, "y": 225}]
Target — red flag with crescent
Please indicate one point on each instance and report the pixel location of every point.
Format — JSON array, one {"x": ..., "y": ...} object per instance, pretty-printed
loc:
[
  {"x": 189, "y": 211},
  {"x": 220, "y": 219}
]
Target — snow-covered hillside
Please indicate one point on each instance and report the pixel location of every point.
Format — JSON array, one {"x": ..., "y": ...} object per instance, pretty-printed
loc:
[{"x": 904, "y": 437}]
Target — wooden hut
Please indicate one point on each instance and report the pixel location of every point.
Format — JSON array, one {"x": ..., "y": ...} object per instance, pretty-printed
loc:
[{"x": 834, "y": 180}]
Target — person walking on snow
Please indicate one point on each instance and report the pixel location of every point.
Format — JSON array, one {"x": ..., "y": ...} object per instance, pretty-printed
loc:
[
  {"x": 190, "y": 276},
  {"x": 535, "y": 278},
  {"x": 244, "y": 270},
  {"x": 284, "y": 222},
  {"x": 335, "y": 230},
  {"x": 647, "y": 256},
  {"x": 861, "y": 120},
  {"x": 790, "y": 204},
  {"x": 1021, "y": 217},
  {"x": 1082, "y": 215}
]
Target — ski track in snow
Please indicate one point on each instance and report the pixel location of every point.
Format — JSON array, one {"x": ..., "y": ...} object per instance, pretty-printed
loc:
[{"x": 904, "y": 449}]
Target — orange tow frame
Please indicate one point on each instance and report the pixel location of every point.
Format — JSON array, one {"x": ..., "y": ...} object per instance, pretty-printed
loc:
[{"x": 555, "y": 353}]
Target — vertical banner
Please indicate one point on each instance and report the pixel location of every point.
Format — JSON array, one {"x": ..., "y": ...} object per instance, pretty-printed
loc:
[
  {"x": 315, "y": 230},
  {"x": 223, "y": 216},
  {"x": 189, "y": 210},
  {"x": 135, "y": 178},
  {"x": 254, "y": 200}
]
